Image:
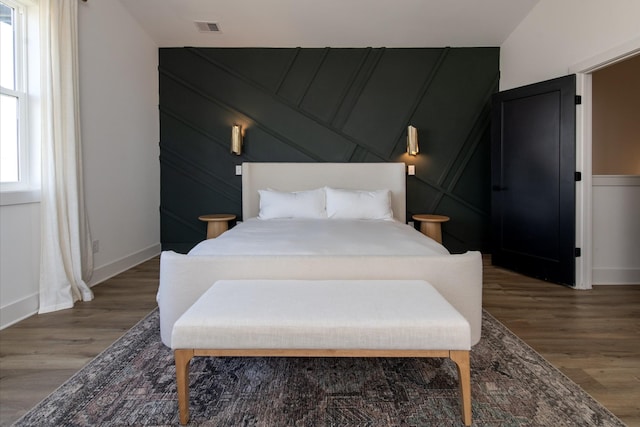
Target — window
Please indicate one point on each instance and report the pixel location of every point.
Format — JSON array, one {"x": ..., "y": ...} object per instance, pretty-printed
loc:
[
  {"x": 18, "y": 151},
  {"x": 12, "y": 94}
]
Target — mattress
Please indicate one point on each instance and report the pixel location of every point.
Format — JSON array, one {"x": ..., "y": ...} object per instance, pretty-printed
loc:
[{"x": 320, "y": 237}]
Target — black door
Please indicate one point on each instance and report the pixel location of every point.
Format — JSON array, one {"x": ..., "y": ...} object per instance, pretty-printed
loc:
[{"x": 533, "y": 160}]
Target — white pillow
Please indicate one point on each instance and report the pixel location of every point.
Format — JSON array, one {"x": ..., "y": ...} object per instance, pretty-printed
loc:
[
  {"x": 356, "y": 204},
  {"x": 299, "y": 204}
]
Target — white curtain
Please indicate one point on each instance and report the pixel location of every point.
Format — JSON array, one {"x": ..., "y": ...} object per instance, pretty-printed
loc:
[{"x": 66, "y": 258}]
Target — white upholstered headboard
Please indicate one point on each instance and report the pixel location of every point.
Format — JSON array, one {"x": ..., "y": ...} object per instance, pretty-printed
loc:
[{"x": 308, "y": 176}]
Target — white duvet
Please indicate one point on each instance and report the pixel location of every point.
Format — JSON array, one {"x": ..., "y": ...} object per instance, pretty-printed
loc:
[{"x": 320, "y": 237}]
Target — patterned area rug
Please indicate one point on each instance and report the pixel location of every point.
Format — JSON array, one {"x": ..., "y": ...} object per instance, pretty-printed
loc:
[{"x": 132, "y": 383}]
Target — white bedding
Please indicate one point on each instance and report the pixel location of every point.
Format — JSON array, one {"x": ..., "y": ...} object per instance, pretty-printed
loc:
[
  {"x": 320, "y": 237},
  {"x": 398, "y": 251}
]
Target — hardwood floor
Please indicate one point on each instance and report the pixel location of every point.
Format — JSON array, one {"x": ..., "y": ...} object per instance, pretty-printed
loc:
[
  {"x": 593, "y": 336},
  {"x": 38, "y": 354}
]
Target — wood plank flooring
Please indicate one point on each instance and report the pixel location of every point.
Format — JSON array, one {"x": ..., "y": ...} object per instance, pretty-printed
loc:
[
  {"x": 593, "y": 336},
  {"x": 38, "y": 354}
]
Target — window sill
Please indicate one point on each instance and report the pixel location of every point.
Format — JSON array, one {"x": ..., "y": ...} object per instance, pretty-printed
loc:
[{"x": 19, "y": 197}]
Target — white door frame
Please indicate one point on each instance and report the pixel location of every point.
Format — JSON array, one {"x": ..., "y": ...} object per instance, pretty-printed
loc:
[{"x": 584, "y": 205}]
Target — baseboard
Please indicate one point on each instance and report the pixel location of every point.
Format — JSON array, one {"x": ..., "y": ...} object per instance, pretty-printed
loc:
[
  {"x": 19, "y": 310},
  {"x": 616, "y": 276},
  {"x": 100, "y": 274}
]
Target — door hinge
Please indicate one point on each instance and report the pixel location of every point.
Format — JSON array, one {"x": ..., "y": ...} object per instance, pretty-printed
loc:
[
  {"x": 578, "y": 100},
  {"x": 578, "y": 252},
  {"x": 578, "y": 176}
]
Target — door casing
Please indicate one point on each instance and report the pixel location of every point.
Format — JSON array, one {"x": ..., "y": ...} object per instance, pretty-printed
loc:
[{"x": 584, "y": 201}]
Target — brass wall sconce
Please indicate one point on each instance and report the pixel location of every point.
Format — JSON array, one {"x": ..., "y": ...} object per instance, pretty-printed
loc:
[
  {"x": 412, "y": 141},
  {"x": 236, "y": 139}
]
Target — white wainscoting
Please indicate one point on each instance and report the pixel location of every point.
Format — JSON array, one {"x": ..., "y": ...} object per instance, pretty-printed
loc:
[{"x": 616, "y": 229}]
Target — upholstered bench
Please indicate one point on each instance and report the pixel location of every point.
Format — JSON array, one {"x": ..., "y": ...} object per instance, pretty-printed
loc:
[{"x": 321, "y": 318}]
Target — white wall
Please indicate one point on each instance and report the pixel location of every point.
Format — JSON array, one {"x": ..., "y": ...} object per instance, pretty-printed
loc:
[
  {"x": 559, "y": 34},
  {"x": 120, "y": 133},
  {"x": 19, "y": 261}
]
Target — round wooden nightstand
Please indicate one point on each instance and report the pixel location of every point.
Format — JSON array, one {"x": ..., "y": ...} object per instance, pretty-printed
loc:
[
  {"x": 430, "y": 225},
  {"x": 216, "y": 223}
]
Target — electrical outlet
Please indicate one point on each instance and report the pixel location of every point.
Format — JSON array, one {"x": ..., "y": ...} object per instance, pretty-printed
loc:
[
  {"x": 238, "y": 169},
  {"x": 411, "y": 170},
  {"x": 96, "y": 246}
]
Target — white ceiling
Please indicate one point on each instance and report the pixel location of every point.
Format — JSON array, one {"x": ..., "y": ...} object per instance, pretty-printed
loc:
[{"x": 332, "y": 23}]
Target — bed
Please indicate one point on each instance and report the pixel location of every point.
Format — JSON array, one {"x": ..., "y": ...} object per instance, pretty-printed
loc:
[{"x": 375, "y": 243}]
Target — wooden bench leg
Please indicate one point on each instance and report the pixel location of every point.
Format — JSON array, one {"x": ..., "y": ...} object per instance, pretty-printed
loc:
[
  {"x": 461, "y": 358},
  {"x": 183, "y": 357}
]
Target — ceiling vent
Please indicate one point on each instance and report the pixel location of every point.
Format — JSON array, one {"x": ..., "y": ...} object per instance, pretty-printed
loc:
[{"x": 208, "y": 27}]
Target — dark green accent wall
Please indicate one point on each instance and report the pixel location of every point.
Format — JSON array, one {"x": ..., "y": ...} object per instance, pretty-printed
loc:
[{"x": 326, "y": 105}]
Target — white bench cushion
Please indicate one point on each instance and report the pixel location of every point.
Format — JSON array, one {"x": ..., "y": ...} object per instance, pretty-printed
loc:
[{"x": 322, "y": 314}]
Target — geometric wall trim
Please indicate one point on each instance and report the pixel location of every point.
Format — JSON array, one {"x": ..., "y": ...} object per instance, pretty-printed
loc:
[{"x": 326, "y": 105}]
